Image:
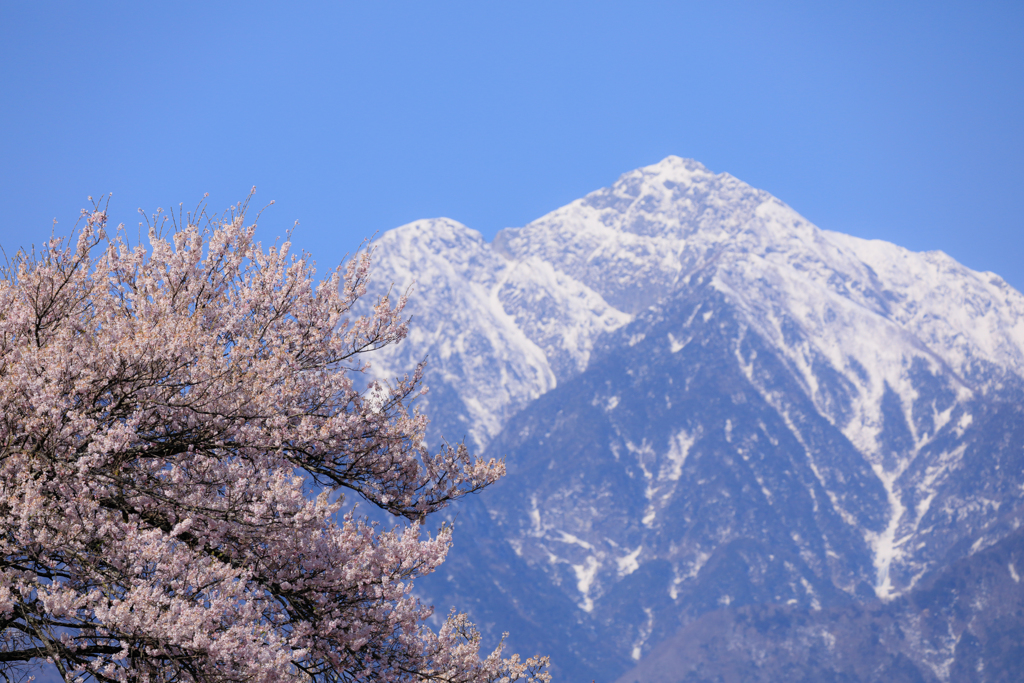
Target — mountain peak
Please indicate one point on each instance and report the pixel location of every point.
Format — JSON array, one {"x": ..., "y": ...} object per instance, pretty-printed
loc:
[
  {"x": 674, "y": 167},
  {"x": 417, "y": 248},
  {"x": 428, "y": 230}
]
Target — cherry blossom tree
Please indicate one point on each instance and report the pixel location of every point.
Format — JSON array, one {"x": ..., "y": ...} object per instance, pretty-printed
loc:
[{"x": 163, "y": 413}]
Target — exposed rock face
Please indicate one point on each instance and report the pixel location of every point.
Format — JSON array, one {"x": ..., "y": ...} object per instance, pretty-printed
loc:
[{"x": 740, "y": 447}]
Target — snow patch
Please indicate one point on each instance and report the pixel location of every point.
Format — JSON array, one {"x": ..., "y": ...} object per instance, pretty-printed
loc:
[
  {"x": 678, "y": 449},
  {"x": 883, "y": 545},
  {"x": 963, "y": 423},
  {"x": 629, "y": 564},
  {"x": 585, "y": 574},
  {"x": 569, "y": 538}
]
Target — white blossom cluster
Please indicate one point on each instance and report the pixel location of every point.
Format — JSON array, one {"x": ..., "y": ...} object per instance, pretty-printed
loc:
[{"x": 160, "y": 413}]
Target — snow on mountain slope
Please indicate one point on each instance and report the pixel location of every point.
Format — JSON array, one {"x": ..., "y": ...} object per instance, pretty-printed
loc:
[
  {"x": 497, "y": 333},
  {"x": 866, "y": 306},
  {"x": 856, "y": 319},
  {"x": 974, "y": 318}
]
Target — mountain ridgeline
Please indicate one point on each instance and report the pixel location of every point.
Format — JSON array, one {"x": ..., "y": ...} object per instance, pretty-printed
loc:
[{"x": 740, "y": 447}]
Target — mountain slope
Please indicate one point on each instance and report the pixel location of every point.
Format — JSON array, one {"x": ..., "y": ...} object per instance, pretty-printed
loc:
[{"x": 707, "y": 404}]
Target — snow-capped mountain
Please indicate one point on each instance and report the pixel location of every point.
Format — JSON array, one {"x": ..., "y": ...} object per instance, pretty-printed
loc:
[{"x": 708, "y": 404}]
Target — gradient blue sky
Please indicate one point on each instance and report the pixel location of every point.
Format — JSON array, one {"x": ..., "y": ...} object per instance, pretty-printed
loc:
[{"x": 901, "y": 121}]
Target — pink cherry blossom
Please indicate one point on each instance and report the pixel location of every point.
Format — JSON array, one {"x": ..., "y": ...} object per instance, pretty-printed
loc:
[{"x": 160, "y": 413}]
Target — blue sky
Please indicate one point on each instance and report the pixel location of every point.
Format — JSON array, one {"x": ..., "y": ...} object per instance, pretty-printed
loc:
[{"x": 900, "y": 121}]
